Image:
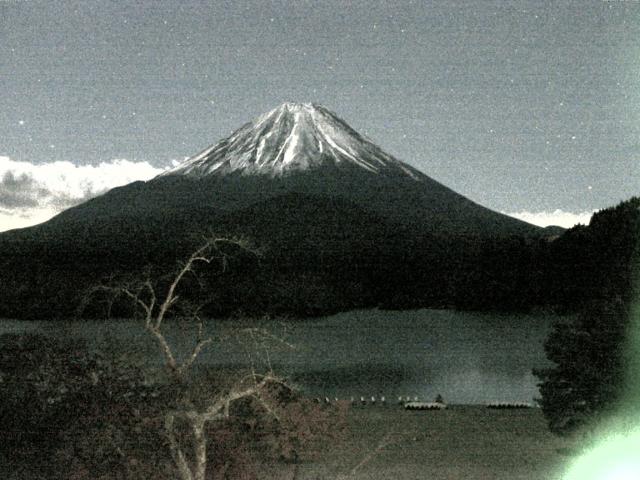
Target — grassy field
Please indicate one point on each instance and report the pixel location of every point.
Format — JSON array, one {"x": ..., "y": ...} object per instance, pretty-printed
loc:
[{"x": 463, "y": 442}]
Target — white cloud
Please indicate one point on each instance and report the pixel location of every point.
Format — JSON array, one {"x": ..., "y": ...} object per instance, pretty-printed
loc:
[
  {"x": 557, "y": 217},
  {"x": 33, "y": 216},
  {"x": 32, "y": 193}
]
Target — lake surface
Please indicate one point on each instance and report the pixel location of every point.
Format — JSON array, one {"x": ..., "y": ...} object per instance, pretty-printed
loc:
[{"x": 465, "y": 357}]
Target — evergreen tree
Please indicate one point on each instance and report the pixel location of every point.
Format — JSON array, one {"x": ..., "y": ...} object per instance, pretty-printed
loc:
[
  {"x": 589, "y": 373},
  {"x": 589, "y": 352}
]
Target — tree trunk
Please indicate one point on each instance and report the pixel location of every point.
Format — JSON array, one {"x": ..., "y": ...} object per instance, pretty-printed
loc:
[
  {"x": 200, "y": 449},
  {"x": 184, "y": 472}
]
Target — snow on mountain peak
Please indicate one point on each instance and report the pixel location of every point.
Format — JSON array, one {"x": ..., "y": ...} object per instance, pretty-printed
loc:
[{"x": 291, "y": 137}]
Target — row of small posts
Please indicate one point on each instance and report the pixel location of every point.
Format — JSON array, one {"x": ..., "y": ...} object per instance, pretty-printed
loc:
[
  {"x": 509, "y": 405},
  {"x": 414, "y": 403},
  {"x": 407, "y": 402}
]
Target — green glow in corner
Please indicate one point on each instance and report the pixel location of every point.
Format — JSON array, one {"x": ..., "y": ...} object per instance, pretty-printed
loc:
[{"x": 616, "y": 458}]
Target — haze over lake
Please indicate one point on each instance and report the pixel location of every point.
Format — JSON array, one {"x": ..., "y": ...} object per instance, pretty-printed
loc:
[{"x": 466, "y": 357}]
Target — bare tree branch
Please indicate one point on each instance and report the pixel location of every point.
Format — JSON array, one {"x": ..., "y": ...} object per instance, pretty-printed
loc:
[
  {"x": 165, "y": 348},
  {"x": 194, "y": 355},
  {"x": 154, "y": 308},
  {"x": 171, "y": 297}
]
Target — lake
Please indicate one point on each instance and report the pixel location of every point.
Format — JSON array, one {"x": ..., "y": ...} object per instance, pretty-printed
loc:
[{"x": 466, "y": 357}]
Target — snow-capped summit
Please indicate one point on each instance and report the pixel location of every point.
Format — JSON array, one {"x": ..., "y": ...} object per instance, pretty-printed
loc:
[{"x": 291, "y": 137}]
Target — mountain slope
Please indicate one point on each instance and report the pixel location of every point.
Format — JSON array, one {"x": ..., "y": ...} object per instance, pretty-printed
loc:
[{"x": 303, "y": 149}]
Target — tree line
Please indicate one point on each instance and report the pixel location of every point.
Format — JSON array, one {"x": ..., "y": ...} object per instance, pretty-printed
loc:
[{"x": 306, "y": 271}]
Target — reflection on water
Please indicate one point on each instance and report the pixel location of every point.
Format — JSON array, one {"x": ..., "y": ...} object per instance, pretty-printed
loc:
[{"x": 466, "y": 357}]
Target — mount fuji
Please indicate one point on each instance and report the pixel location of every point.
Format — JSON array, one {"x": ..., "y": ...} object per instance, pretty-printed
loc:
[
  {"x": 288, "y": 139},
  {"x": 300, "y": 150},
  {"x": 335, "y": 212}
]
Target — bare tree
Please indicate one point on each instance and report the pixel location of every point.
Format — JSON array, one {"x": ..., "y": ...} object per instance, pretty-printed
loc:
[{"x": 155, "y": 304}]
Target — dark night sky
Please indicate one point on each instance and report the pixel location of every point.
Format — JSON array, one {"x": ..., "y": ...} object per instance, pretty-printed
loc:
[{"x": 519, "y": 105}]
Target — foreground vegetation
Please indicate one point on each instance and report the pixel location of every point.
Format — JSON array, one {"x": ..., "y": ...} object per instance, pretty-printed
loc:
[
  {"x": 67, "y": 412},
  {"x": 94, "y": 433}
]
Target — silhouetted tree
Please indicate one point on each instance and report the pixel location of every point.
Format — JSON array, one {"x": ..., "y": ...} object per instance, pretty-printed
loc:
[
  {"x": 589, "y": 351},
  {"x": 589, "y": 374}
]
